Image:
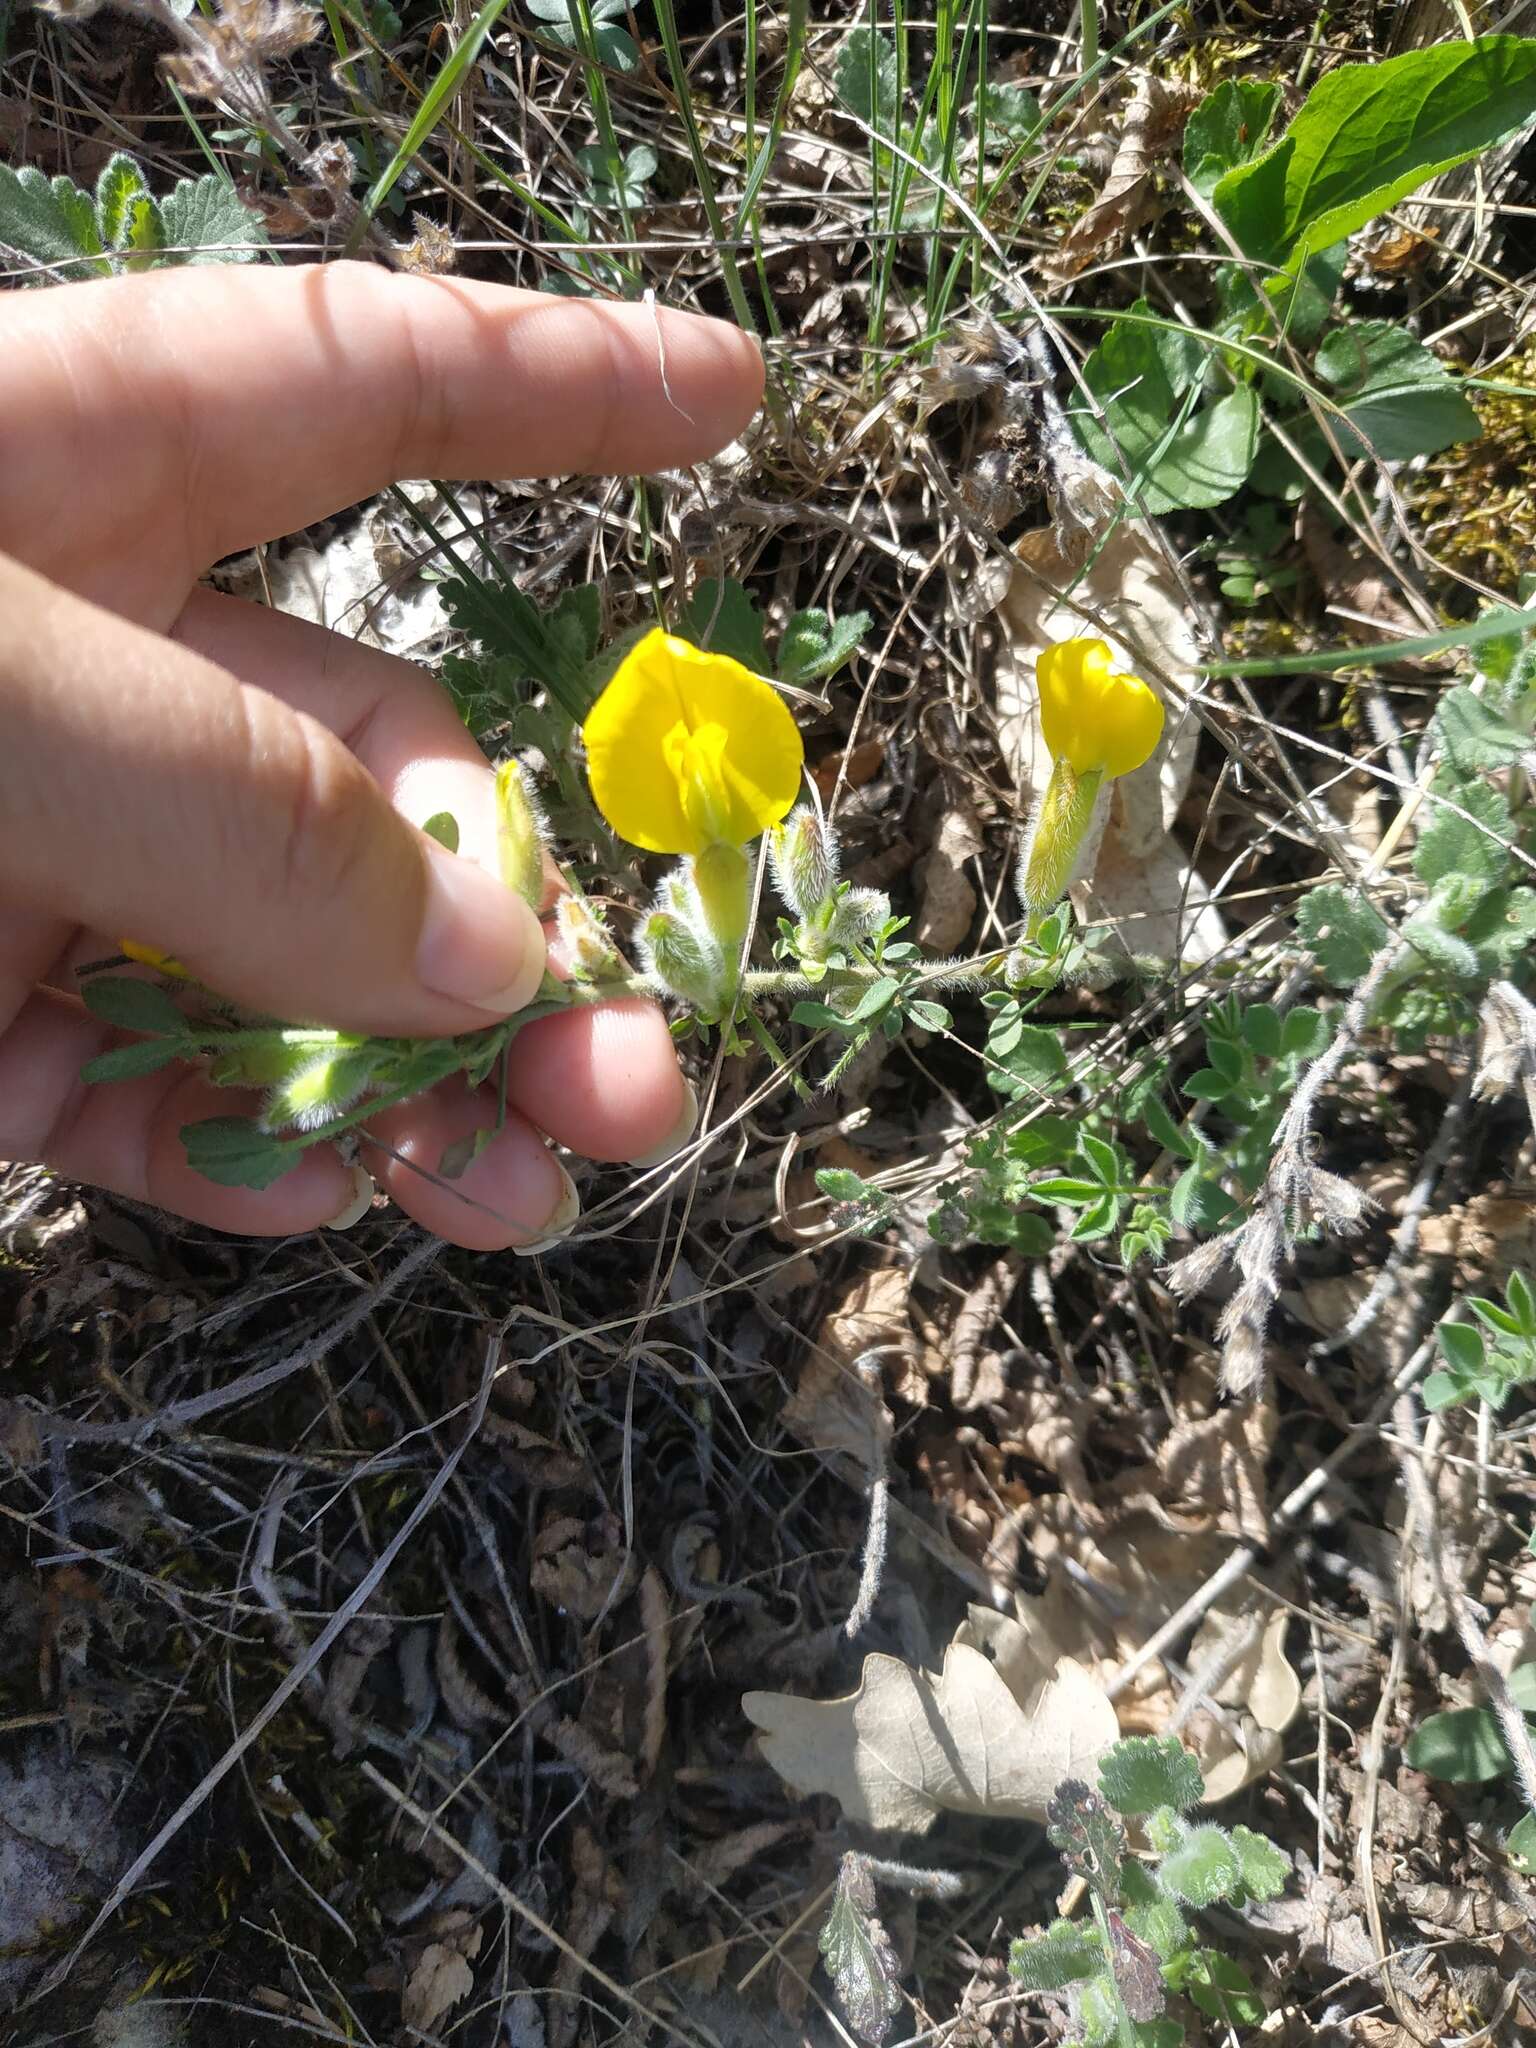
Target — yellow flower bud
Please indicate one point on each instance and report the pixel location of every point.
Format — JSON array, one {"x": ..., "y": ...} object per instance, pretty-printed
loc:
[
  {"x": 688, "y": 750},
  {"x": 151, "y": 956},
  {"x": 1092, "y": 716},
  {"x": 519, "y": 835}
]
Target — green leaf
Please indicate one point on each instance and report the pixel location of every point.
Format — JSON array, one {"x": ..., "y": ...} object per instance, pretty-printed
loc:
[
  {"x": 1399, "y": 399},
  {"x": 1061, "y": 1188},
  {"x": 1097, "y": 1220},
  {"x": 128, "y": 1062},
  {"x": 1501, "y": 928},
  {"x": 1445, "y": 1390},
  {"x": 146, "y": 233},
  {"x": 1473, "y": 839},
  {"x": 504, "y": 623},
  {"x": 50, "y": 223},
  {"x": 1229, "y": 127},
  {"x": 119, "y": 187},
  {"x": 1034, "y": 1056},
  {"x": 1521, "y": 1299},
  {"x": 815, "y": 646},
  {"x": 233, "y": 1152},
  {"x": 1089, "y": 1836},
  {"x": 1203, "y": 1868},
  {"x": 1151, "y": 1913},
  {"x": 1522, "y": 1687},
  {"x": 573, "y": 626},
  {"x": 1150, "y": 1770},
  {"x": 1103, "y": 1161},
  {"x": 1142, "y": 377},
  {"x": 1474, "y": 736},
  {"x": 1463, "y": 1746},
  {"x": 1265, "y": 1869},
  {"x": 725, "y": 617},
  {"x": 1262, "y": 1030},
  {"x": 133, "y": 1005},
  {"x": 443, "y": 826},
  {"x": 1206, "y": 1085},
  {"x": 860, "y": 1960},
  {"x": 1012, "y": 112},
  {"x": 867, "y": 79},
  {"x": 1199, "y": 1203},
  {"x": 1462, "y": 1345},
  {"x": 206, "y": 221},
  {"x": 1306, "y": 1031},
  {"x": 1343, "y": 931},
  {"x": 929, "y": 1016},
  {"x": 1065, "y": 1955},
  {"x": 1223, "y": 1989},
  {"x": 1521, "y": 1844},
  {"x": 1369, "y": 134}
]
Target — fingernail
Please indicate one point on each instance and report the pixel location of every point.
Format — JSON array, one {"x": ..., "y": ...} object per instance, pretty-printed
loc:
[
  {"x": 361, "y": 1201},
  {"x": 479, "y": 943},
  {"x": 560, "y": 1222},
  {"x": 673, "y": 1143}
]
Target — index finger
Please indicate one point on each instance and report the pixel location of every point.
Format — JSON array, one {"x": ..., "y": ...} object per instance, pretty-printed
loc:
[{"x": 208, "y": 409}]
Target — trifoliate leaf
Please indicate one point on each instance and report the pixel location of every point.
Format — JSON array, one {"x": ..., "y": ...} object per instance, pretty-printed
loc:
[{"x": 1145, "y": 1771}]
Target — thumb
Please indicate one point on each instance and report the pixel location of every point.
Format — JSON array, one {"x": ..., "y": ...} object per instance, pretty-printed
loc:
[{"x": 146, "y": 793}]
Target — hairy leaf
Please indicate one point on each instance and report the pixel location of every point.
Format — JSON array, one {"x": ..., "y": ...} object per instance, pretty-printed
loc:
[{"x": 1145, "y": 1771}]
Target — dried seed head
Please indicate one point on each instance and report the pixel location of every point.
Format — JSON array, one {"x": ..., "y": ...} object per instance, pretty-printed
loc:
[{"x": 1193, "y": 1273}]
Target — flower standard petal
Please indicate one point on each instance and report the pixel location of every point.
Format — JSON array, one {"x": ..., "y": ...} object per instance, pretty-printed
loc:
[
  {"x": 1092, "y": 715},
  {"x": 688, "y": 749}
]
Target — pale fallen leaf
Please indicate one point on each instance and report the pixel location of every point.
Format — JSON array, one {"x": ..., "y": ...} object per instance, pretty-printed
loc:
[
  {"x": 440, "y": 1979},
  {"x": 989, "y": 1735},
  {"x": 948, "y": 902},
  {"x": 833, "y": 1408}
]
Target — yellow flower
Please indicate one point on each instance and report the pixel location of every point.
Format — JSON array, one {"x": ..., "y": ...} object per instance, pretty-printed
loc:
[
  {"x": 151, "y": 956},
  {"x": 688, "y": 750},
  {"x": 1094, "y": 717}
]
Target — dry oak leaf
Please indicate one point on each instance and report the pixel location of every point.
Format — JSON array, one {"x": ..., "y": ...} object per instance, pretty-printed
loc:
[
  {"x": 442, "y": 1977},
  {"x": 991, "y": 1734}
]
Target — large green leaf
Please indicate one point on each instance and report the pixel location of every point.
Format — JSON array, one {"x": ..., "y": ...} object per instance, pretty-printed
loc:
[
  {"x": 205, "y": 221},
  {"x": 1399, "y": 399},
  {"x": 1462, "y": 1745},
  {"x": 1368, "y": 135},
  {"x": 51, "y": 223},
  {"x": 1143, "y": 378},
  {"x": 1230, "y": 126}
]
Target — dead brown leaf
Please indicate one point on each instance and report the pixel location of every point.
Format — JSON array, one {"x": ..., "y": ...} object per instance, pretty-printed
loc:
[
  {"x": 442, "y": 1977},
  {"x": 1152, "y": 120}
]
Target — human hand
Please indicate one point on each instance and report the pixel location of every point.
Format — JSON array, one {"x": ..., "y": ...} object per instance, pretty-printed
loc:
[{"x": 234, "y": 784}]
